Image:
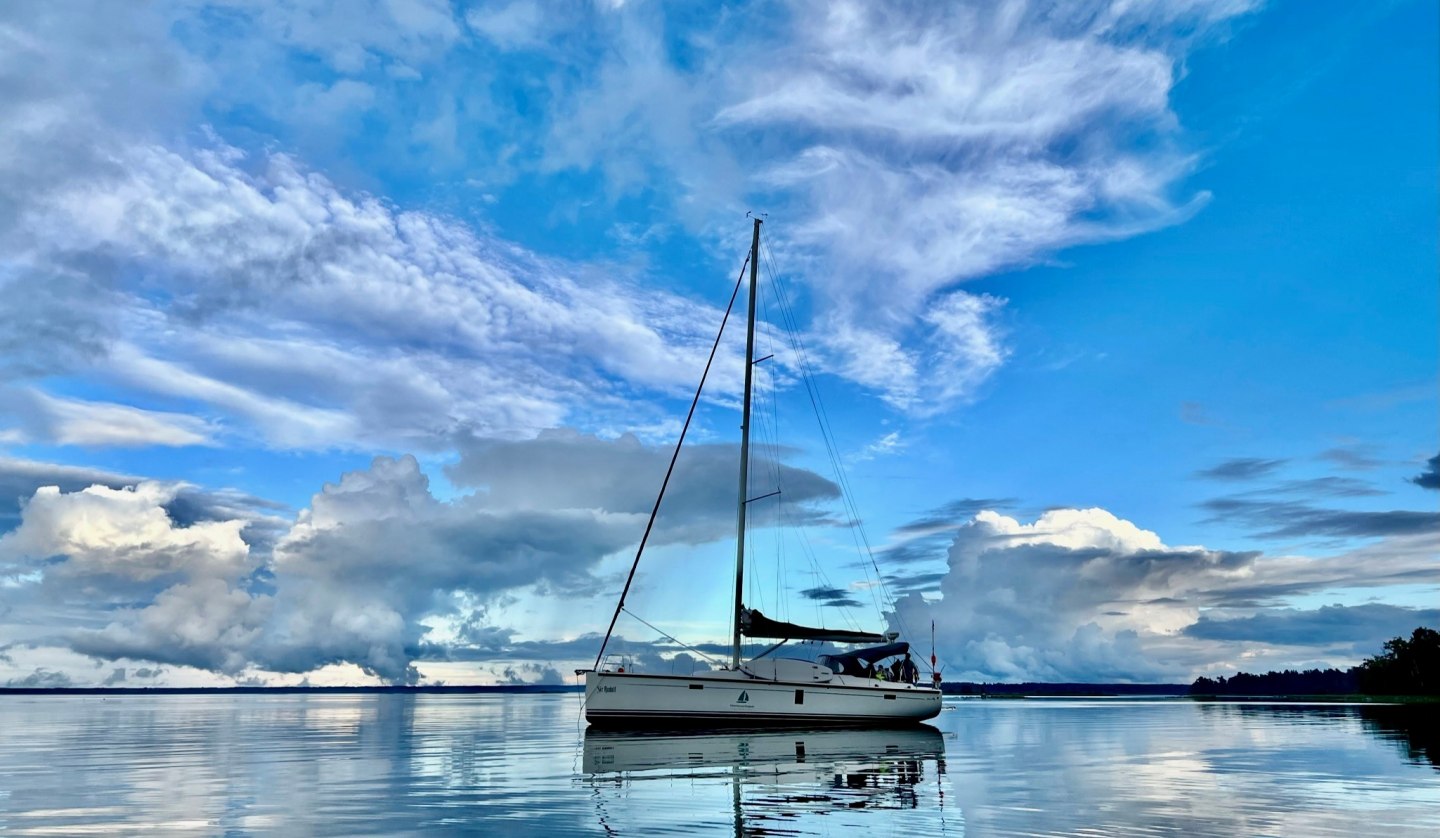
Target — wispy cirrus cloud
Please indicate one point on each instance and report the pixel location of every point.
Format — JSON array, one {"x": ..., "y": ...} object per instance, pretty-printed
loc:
[
  {"x": 44, "y": 418},
  {"x": 909, "y": 148}
]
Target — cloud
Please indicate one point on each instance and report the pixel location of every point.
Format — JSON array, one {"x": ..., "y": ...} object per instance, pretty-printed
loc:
[
  {"x": 906, "y": 148},
  {"x": 41, "y": 679},
  {"x": 279, "y": 305},
  {"x": 928, "y": 537},
  {"x": 364, "y": 572},
  {"x": 1272, "y": 518},
  {"x": 952, "y": 514},
  {"x": 566, "y": 469},
  {"x": 886, "y": 444},
  {"x": 1081, "y": 595},
  {"x": 1241, "y": 468},
  {"x": 531, "y": 673},
  {"x": 49, "y": 419},
  {"x": 290, "y": 309},
  {"x": 314, "y": 318},
  {"x": 1355, "y": 457},
  {"x": 100, "y": 533},
  {"x": 831, "y": 597},
  {"x": 1430, "y": 477},
  {"x": 1364, "y": 627}
]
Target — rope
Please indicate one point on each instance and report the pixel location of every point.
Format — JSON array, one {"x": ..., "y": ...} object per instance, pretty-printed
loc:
[
  {"x": 620, "y": 606},
  {"x": 672, "y": 639}
]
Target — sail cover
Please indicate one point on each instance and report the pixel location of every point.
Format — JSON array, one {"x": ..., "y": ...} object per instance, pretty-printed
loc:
[{"x": 755, "y": 624}]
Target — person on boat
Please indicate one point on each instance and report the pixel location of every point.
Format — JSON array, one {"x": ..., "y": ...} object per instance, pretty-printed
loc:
[
  {"x": 909, "y": 672},
  {"x": 895, "y": 671}
]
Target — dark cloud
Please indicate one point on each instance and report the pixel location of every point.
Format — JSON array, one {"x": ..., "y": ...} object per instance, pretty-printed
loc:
[
  {"x": 1241, "y": 468},
  {"x": 568, "y": 470},
  {"x": 41, "y": 678},
  {"x": 1430, "y": 477},
  {"x": 1365, "y": 627},
  {"x": 923, "y": 549},
  {"x": 914, "y": 582},
  {"x": 952, "y": 514},
  {"x": 1328, "y": 487},
  {"x": 928, "y": 537},
  {"x": 1288, "y": 519},
  {"x": 830, "y": 596},
  {"x": 1353, "y": 457}
]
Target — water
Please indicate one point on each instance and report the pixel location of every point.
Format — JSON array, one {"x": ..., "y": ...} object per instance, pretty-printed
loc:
[{"x": 401, "y": 764}]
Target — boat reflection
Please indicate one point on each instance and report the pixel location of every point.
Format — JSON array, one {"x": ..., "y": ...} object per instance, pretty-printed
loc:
[{"x": 773, "y": 776}]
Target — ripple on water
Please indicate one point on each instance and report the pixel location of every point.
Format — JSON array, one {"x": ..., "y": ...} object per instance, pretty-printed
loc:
[{"x": 396, "y": 764}]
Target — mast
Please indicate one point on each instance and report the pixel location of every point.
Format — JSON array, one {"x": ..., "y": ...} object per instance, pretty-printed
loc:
[{"x": 745, "y": 447}]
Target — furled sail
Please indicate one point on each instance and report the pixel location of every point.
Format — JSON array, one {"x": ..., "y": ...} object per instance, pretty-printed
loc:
[{"x": 755, "y": 624}]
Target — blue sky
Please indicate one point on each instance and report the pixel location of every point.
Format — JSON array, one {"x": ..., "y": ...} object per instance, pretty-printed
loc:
[{"x": 352, "y": 338}]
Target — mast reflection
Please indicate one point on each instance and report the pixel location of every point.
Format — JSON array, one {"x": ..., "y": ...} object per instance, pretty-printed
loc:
[{"x": 774, "y": 777}]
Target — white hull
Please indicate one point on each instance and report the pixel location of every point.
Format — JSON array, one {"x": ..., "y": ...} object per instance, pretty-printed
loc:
[{"x": 738, "y": 699}]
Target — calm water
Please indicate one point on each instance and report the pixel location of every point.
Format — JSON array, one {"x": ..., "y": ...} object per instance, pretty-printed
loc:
[{"x": 393, "y": 764}]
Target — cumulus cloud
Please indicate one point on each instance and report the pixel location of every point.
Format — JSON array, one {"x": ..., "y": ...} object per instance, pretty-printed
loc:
[
  {"x": 361, "y": 574},
  {"x": 41, "y": 678},
  {"x": 376, "y": 552},
  {"x": 1081, "y": 595},
  {"x": 119, "y": 534}
]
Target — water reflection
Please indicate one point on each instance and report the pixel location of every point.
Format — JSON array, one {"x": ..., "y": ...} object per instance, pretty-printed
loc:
[
  {"x": 1415, "y": 728},
  {"x": 521, "y": 765},
  {"x": 778, "y": 780}
]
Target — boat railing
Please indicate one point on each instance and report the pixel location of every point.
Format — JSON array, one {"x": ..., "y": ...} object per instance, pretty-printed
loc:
[{"x": 617, "y": 663}]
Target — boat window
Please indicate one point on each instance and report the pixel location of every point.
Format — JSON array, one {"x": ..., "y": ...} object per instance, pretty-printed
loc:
[{"x": 799, "y": 696}]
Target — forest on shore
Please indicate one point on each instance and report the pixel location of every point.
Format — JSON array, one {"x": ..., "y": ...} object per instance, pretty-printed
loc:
[{"x": 1407, "y": 667}]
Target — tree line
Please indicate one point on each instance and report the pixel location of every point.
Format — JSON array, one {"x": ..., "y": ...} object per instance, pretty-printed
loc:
[{"x": 1406, "y": 667}]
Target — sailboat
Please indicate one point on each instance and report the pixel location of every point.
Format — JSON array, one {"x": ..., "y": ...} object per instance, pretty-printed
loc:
[{"x": 769, "y": 689}]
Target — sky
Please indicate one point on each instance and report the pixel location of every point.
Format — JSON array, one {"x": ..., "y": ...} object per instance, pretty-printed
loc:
[{"x": 347, "y": 343}]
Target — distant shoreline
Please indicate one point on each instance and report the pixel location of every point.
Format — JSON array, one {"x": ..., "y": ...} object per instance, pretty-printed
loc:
[
  {"x": 952, "y": 689},
  {"x": 438, "y": 688}
]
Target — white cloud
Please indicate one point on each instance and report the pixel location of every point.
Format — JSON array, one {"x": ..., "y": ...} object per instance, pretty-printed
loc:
[
  {"x": 1081, "y": 595},
  {"x": 321, "y": 319},
  {"x": 361, "y": 575},
  {"x": 885, "y": 445},
  {"x": 51, "y": 419},
  {"x": 904, "y": 149},
  {"x": 122, "y": 533}
]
